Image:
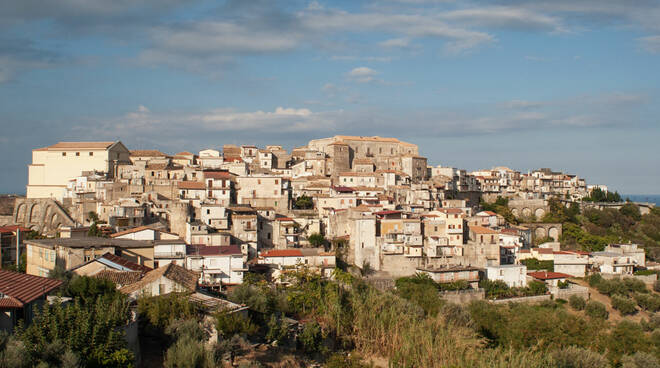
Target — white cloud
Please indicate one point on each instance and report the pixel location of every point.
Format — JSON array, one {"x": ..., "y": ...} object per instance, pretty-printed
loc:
[
  {"x": 401, "y": 42},
  {"x": 506, "y": 17},
  {"x": 650, "y": 44},
  {"x": 362, "y": 74}
]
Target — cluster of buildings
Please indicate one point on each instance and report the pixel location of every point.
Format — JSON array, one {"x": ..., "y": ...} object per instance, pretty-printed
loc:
[{"x": 220, "y": 213}]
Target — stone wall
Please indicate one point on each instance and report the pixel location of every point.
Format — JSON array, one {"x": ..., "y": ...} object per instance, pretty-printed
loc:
[
  {"x": 41, "y": 214},
  {"x": 648, "y": 279}
]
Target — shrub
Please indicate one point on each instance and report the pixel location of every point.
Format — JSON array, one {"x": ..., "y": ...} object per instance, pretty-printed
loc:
[
  {"x": 456, "y": 315},
  {"x": 596, "y": 309},
  {"x": 623, "y": 305},
  {"x": 574, "y": 357},
  {"x": 640, "y": 360},
  {"x": 338, "y": 360},
  {"x": 648, "y": 302},
  {"x": 594, "y": 279},
  {"x": 577, "y": 302},
  {"x": 229, "y": 324},
  {"x": 187, "y": 353},
  {"x": 188, "y": 327},
  {"x": 311, "y": 337},
  {"x": 277, "y": 329},
  {"x": 421, "y": 290},
  {"x": 161, "y": 310},
  {"x": 563, "y": 284}
]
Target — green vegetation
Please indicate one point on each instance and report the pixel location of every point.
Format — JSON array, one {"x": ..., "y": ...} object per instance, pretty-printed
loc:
[
  {"x": 316, "y": 240},
  {"x": 577, "y": 302},
  {"x": 596, "y": 310},
  {"x": 303, "y": 203},
  {"x": 598, "y": 195},
  {"x": 500, "y": 290},
  {"x": 535, "y": 264},
  {"x": 87, "y": 332},
  {"x": 624, "y": 305},
  {"x": 500, "y": 206}
]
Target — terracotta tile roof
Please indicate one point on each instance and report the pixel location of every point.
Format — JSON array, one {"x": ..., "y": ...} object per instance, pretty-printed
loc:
[
  {"x": 544, "y": 275},
  {"x": 121, "y": 278},
  {"x": 13, "y": 229},
  {"x": 81, "y": 145},
  {"x": 147, "y": 153},
  {"x": 22, "y": 289},
  {"x": 482, "y": 230},
  {"x": 343, "y": 189},
  {"x": 384, "y": 213},
  {"x": 191, "y": 185},
  {"x": 284, "y": 219},
  {"x": 217, "y": 175},
  {"x": 353, "y": 173},
  {"x": 544, "y": 250},
  {"x": 282, "y": 253},
  {"x": 126, "y": 263},
  {"x": 178, "y": 274},
  {"x": 203, "y": 250},
  {"x": 185, "y": 153}
]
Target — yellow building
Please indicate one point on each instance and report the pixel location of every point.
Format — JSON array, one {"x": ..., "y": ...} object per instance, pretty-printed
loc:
[{"x": 52, "y": 167}]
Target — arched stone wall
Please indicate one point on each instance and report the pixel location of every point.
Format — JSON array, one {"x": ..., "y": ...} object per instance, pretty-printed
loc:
[{"x": 41, "y": 214}]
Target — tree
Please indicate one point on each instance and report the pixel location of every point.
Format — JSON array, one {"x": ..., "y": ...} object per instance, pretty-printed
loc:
[
  {"x": 596, "y": 309},
  {"x": 577, "y": 302},
  {"x": 316, "y": 240},
  {"x": 304, "y": 202}
]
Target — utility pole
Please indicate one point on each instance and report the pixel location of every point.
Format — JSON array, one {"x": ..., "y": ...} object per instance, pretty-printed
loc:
[{"x": 18, "y": 247}]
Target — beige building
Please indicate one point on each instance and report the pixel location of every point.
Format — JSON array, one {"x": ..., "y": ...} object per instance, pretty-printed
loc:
[
  {"x": 263, "y": 191},
  {"x": 43, "y": 255},
  {"x": 52, "y": 167}
]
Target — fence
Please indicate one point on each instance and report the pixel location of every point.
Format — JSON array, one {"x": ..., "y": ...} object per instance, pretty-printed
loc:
[{"x": 648, "y": 279}]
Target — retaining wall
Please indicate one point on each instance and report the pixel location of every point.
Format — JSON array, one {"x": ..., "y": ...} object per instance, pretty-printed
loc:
[
  {"x": 463, "y": 296},
  {"x": 523, "y": 299}
]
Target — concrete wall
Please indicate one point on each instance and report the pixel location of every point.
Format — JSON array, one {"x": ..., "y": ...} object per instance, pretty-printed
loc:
[
  {"x": 463, "y": 296},
  {"x": 572, "y": 290}
]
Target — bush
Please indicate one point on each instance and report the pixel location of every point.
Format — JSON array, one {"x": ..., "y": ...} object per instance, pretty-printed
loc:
[
  {"x": 188, "y": 327},
  {"x": 277, "y": 329},
  {"x": 311, "y": 337},
  {"x": 594, "y": 279},
  {"x": 577, "y": 302},
  {"x": 624, "y": 305},
  {"x": 230, "y": 324},
  {"x": 161, "y": 310},
  {"x": 187, "y": 353},
  {"x": 640, "y": 360},
  {"x": 596, "y": 309},
  {"x": 648, "y": 302},
  {"x": 421, "y": 290},
  {"x": 338, "y": 360},
  {"x": 574, "y": 357}
]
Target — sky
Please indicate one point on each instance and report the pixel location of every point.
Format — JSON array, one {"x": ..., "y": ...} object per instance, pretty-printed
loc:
[{"x": 573, "y": 85}]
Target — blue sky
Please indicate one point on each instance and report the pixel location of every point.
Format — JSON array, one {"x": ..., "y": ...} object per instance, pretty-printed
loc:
[{"x": 567, "y": 84}]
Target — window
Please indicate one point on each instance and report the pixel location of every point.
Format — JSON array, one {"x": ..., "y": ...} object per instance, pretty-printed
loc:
[
  {"x": 436, "y": 228},
  {"x": 91, "y": 153},
  {"x": 161, "y": 289},
  {"x": 277, "y": 181},
  {"x": 259, "y": 181},
  {"x": 77, "y": 153},
  {"x": 63, "y": 153},
  {"x": 208, "y": 211}
]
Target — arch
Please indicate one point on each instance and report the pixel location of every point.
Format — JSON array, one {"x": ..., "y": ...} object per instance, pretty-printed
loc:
[
  {"x": 20, "y": 213},
  {"x": 539, "y": 213},
  {"x": 526, "y": 212},
  {"x": 34, "y": 213},
  {"x": 554, "y": 233},
  {"x": 515, "y": 212},
  {"x": 540, "y": 232}
]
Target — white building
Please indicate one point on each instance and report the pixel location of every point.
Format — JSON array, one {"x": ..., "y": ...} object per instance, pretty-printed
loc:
[
  {"x": 512, "y": 275},
  {"x": 216, "y": 265}
]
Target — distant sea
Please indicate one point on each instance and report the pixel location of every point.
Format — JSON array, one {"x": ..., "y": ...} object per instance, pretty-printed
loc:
[{"x": 652, "y": 198}]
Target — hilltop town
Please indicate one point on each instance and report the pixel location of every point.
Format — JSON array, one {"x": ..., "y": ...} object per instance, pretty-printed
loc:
[{"x": 154, "y": 223}]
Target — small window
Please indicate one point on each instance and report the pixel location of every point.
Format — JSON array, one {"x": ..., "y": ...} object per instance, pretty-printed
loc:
[
  {"x": 77, "y": 153},
  {"x": 91, "y": 153},
  {"x": 277, "y": 181},
  {"x": 63, "y": 153}
]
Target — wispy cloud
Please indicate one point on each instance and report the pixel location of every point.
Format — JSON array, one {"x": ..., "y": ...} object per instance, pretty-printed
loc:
[
  {"x": 362, "y": 74},
  {"x": 650, "y": 43}
]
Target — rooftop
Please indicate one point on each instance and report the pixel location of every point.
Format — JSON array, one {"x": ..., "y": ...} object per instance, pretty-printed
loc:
[{"x": 22, "y": 289}]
